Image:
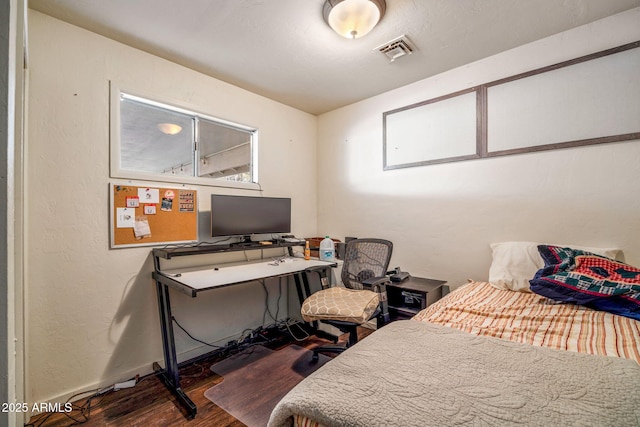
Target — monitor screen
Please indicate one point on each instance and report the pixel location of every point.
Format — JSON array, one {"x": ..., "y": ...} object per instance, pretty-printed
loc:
[{"x": 244, "y": 215}]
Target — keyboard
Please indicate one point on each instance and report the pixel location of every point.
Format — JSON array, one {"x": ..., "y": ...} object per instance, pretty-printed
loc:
[{"x": 293, "y": 240}]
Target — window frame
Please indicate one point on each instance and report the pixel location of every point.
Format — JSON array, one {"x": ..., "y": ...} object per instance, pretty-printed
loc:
[
  {"x": 115, "y": 149},
  {"x": 482, "y": 123}
]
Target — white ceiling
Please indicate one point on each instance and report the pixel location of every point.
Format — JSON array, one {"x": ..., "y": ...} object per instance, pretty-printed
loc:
[{"x": 283, "y": 49}]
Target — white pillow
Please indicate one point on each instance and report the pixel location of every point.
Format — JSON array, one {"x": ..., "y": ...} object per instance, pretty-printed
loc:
[{"x": 515, "y": 263}]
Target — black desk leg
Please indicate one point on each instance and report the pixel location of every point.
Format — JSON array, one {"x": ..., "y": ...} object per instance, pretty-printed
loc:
[
  {"x": 170, "y": 375},
  {"x": 302, "y": 285}
]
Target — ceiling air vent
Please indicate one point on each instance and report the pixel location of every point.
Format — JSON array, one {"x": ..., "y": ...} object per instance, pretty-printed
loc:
[{"x": 396, "y": 48}]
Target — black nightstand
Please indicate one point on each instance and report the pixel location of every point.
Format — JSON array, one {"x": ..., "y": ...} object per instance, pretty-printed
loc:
[{"x": 407, "y": 298}]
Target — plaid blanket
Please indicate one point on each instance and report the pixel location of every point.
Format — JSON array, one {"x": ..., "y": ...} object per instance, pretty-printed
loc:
[{"x": 583, "y": 278}]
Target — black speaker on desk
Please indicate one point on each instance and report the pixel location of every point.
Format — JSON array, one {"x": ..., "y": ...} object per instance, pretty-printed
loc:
[
  {"x": 340, "y": 250},
  {"x": 342, "y": 247}
]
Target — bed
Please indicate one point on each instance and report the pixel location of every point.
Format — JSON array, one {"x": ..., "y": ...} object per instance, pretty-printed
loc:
[{"x": 489, "y": 354}]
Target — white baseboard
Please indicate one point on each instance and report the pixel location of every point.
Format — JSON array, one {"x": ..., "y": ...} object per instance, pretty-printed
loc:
[{"x": 142, "y": 370}]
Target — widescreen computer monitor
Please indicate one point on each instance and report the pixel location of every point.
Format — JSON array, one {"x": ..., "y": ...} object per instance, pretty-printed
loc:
[{"x": 247, "y": 215}]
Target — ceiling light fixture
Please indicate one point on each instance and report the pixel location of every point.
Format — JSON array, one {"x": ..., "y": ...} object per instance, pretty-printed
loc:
[
  {"x": 353, "y": 18},
  {"x": 169, "y": 128}
]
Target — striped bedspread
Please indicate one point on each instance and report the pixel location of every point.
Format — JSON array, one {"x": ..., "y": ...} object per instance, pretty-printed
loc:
[{"x": 481, "y": 309}]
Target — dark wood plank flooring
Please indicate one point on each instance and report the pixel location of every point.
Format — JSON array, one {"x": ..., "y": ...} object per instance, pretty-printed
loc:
[{"x": 150, "y": 403}]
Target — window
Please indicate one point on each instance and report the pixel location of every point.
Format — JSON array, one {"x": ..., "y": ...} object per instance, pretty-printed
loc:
[
  {"x": 152, "y": 140},
  {"x": 593, "y": 99}
]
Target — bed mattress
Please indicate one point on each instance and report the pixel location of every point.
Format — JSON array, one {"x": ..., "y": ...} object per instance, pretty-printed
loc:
[{"x": 480, "y": 309}]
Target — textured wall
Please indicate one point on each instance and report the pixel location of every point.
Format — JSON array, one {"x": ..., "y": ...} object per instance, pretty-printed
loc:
[
  {"x": 91, "y": 311},
  {"x": 442, "y": 218}
]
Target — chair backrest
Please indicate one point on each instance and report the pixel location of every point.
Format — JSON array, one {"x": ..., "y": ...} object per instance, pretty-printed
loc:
[{"x": 363, "y": 259}]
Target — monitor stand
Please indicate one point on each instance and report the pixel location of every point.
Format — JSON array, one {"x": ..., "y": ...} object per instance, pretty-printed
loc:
[{"x": 244, "y": 241}]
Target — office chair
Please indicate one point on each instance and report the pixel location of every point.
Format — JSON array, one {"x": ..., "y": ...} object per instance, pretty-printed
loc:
[{"x": 363, "y": 298}]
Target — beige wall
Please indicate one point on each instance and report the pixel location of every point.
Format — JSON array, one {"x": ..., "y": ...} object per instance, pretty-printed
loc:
[
  {"x": 442, "y": 218},
  {"x": 91, "y": 311}
]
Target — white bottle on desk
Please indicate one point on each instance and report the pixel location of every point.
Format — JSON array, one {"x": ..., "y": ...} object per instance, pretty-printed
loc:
[{"x": 327, "y": 250}]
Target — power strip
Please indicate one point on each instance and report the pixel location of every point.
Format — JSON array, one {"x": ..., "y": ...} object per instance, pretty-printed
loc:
[{"x": 126, "y": 384}]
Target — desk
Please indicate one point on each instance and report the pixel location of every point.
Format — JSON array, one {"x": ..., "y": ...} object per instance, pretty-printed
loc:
[{"x": 192, "y": 280}]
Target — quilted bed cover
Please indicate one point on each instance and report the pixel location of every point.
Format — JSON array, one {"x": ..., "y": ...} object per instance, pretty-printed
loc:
[{"x": 418, "y": 373}]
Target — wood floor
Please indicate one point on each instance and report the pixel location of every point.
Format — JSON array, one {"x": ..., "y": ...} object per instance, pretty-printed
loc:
[{"x": 150, "y": 403}]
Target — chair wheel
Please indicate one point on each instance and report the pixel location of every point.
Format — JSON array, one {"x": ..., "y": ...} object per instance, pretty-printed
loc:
[{"x": 315, "y": 357}]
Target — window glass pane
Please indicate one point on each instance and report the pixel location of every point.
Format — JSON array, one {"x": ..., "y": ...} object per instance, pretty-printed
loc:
[
  {"x": 224, "y": 152},
  {"x": 154, "y": 139}
]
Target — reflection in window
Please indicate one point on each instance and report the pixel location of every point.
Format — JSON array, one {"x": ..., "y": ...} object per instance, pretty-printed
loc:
[
  {"x": 162, "y": 140},
  {"x": 224, "y": 151}
]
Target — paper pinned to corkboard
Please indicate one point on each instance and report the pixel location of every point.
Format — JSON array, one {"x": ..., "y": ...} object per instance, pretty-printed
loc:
[{"x": 162, "y": 215}]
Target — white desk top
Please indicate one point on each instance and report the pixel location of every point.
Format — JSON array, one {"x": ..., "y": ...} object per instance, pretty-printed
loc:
[{"x": 201, "y": 278}]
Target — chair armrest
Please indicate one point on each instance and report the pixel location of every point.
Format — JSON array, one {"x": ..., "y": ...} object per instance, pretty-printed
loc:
[{"x": 377, "y": 284}]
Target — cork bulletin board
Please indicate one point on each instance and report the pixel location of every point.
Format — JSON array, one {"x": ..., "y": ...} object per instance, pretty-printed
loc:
[{"x": 148, "y": 215}]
